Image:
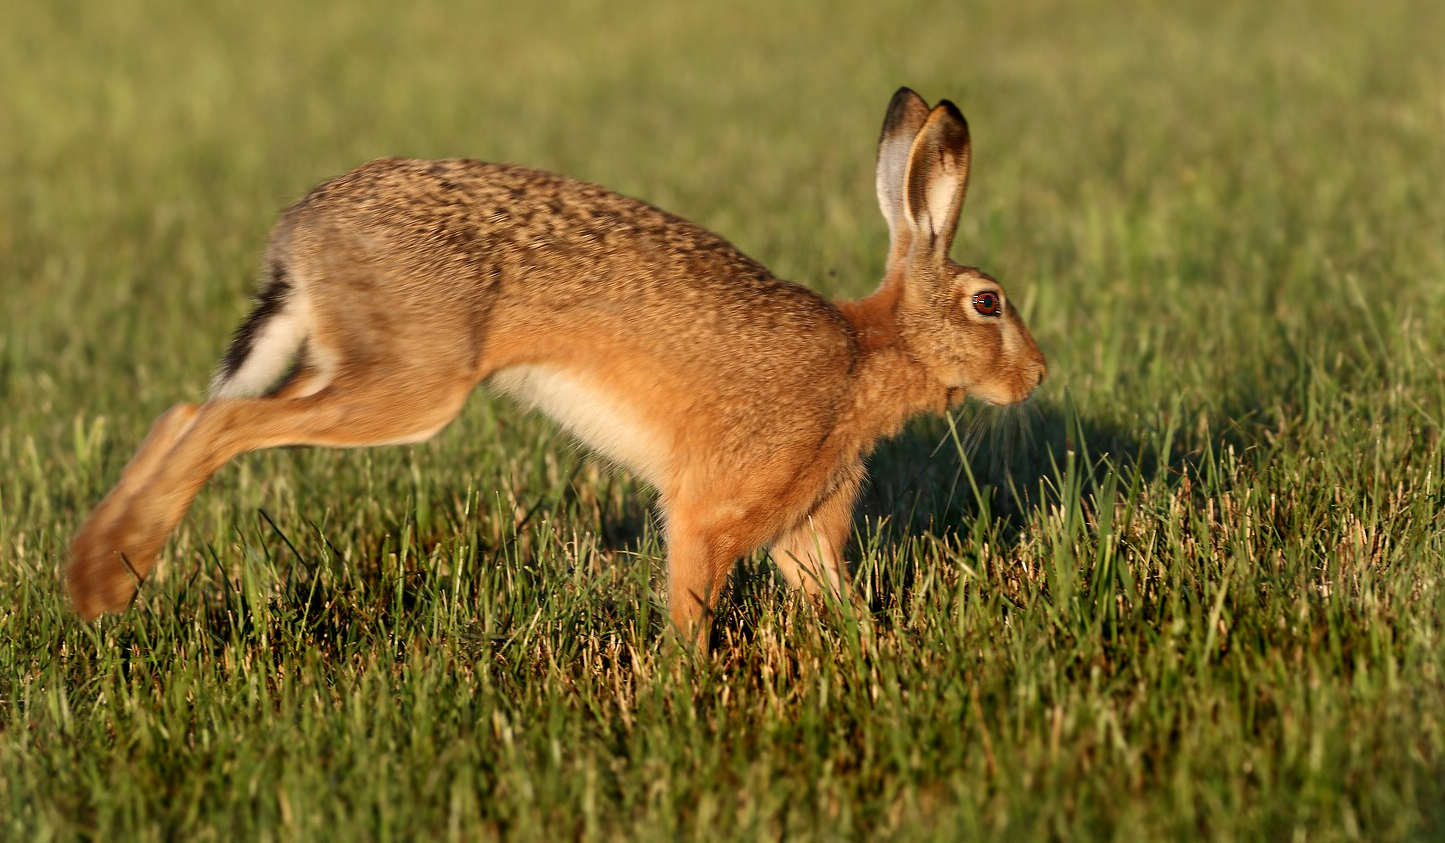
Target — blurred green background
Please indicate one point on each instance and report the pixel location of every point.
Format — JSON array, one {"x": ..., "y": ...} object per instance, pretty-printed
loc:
[{"x": 1199, "y": 596}]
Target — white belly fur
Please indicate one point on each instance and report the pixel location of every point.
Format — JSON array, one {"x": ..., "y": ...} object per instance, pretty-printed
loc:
[{"x": 599, "y": 418}]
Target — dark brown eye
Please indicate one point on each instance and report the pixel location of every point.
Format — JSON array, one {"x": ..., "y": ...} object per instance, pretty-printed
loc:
[{"x": 986, "y": 303}]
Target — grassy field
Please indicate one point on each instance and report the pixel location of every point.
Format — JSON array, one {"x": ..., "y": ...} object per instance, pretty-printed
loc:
[{"x": 1193, "y": 591}]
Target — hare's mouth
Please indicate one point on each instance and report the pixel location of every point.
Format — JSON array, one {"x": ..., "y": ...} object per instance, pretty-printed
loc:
[{"x": 1002, "y": 396}]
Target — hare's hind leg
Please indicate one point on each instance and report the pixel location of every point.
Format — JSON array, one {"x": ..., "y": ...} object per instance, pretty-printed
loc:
[{"x": 118, "y": 545}]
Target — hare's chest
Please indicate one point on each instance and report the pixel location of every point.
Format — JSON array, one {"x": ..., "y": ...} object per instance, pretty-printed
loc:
[{"x": 596, "y": 415}]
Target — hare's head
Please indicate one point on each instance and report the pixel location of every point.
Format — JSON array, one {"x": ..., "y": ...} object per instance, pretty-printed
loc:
[{"x": 956, "y": 320}]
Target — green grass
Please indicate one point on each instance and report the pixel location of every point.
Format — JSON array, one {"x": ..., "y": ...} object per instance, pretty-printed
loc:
[{"x": 1194, "y": 592}]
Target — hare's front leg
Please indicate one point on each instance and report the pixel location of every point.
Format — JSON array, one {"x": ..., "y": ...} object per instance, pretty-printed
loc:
[
  {"x": 810, "y": 553},
  {"x": 696, "y": 570},
  {"x": 704, "y": 541}
]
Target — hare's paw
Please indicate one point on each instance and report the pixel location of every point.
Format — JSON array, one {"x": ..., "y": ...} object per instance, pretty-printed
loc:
[{"x": 108, "y": 559}]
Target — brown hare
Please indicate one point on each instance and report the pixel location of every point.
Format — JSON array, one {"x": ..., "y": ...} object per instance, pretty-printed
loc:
[{"x": 749, "y": 402}]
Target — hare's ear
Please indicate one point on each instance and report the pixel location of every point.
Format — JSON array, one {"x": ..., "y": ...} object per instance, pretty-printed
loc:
[
  {"x": 906, "y": 115},
  {"x": 935, "y": 183}
]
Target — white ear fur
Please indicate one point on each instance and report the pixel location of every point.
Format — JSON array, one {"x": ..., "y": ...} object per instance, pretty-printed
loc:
[
  {"x": 907, "y": 113},
  {"x": 936, "y": 181}
]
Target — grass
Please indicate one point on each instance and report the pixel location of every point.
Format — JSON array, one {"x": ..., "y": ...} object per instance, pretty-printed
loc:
[{"x": 1194, "y": 591}]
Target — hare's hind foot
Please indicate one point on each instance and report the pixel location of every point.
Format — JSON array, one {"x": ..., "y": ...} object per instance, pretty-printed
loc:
[
  {"x": 109, "y": 559},
  {"x": 111, "y": 555}
]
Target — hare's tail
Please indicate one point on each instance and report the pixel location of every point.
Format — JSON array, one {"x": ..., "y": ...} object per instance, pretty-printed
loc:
[{"x": 270, "y": 345}]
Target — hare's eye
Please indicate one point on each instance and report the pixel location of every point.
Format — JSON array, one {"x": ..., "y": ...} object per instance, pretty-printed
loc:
[{"x": 986, "y": 304}]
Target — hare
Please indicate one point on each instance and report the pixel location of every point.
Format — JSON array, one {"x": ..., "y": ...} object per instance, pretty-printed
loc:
[{"x": 749, "y": 402}]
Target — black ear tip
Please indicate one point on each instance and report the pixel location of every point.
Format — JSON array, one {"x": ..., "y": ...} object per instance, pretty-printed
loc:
[
  {"x": 952, "y": 120},
  {"x": 947, "y": 105},
  {"x": 906, "y": 94}
]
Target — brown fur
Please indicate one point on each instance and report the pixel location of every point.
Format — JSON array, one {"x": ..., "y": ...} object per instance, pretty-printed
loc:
[{"x": 749, "y": 402}]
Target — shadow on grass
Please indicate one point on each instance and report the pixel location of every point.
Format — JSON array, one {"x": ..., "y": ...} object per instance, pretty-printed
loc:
[
  {"x": 1001, "y": 474},
  {"x": 941, "y": 473}
]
